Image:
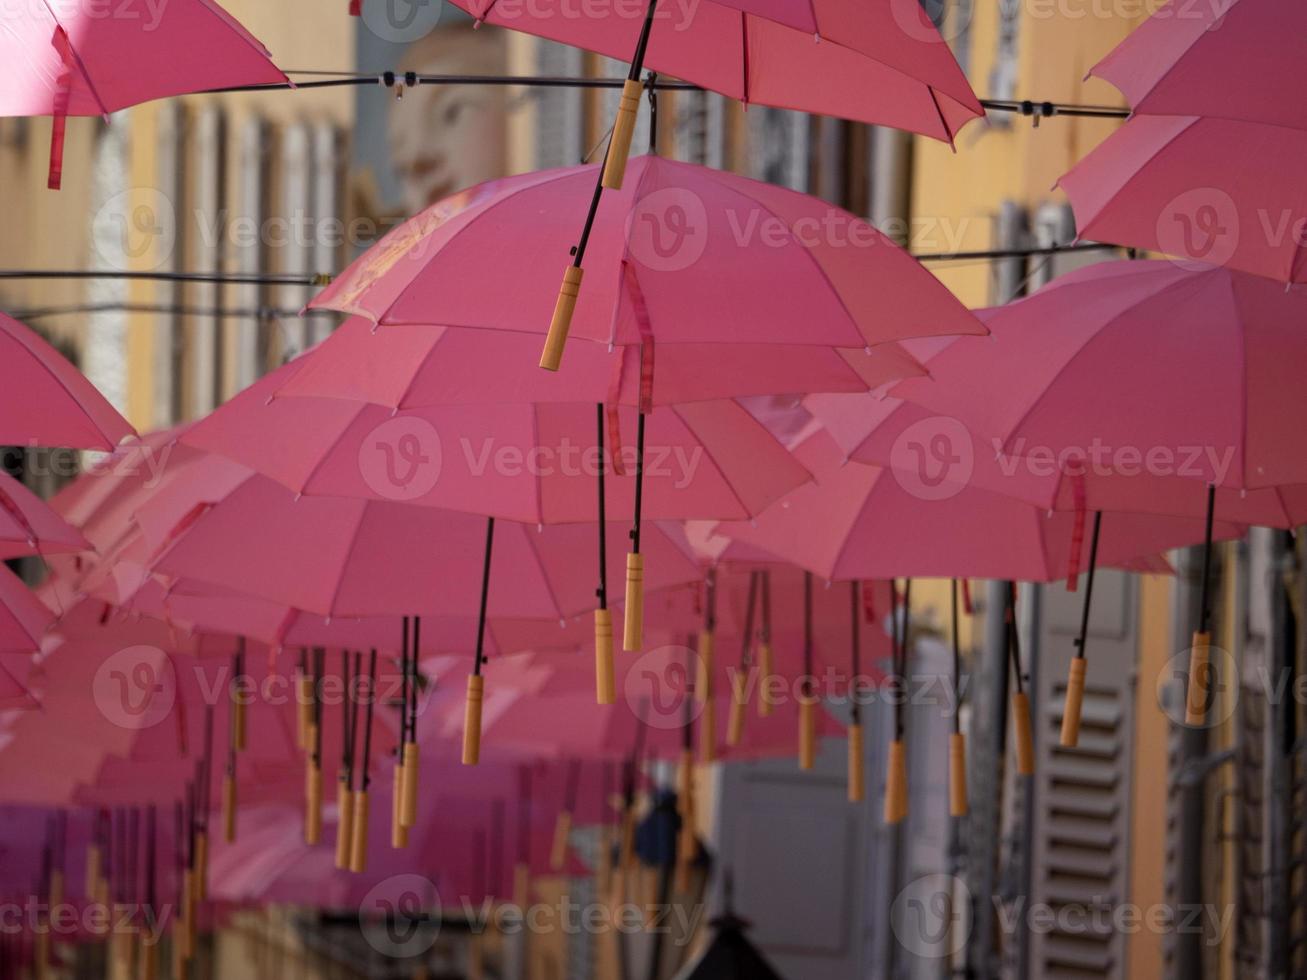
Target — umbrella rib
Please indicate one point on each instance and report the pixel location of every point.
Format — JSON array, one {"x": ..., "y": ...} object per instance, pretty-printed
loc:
[
  {"x": 349, "y": 553},
  {"x": 1080, "y": 234},
  {"x": 359, "y": 408},
  {"x": 81, "y": 65}
]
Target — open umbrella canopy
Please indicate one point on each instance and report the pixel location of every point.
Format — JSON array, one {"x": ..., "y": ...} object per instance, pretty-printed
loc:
[
  {"x": 424, "y": 365},
  {"x": 45, "y": 401},
  {"x": 532, "y": 463},
  {"x": 881, "y": 62},
  {"x": 1093, "y": 378},
  {"x": 682, "y": 254},
  {"x": 1211, "y": 190},
  {"x": 863, "y": 522},
  {"x": 82, "y": 59},
  {"x": 1238, "y": 59},
  {"x": 228, "y": 526}
]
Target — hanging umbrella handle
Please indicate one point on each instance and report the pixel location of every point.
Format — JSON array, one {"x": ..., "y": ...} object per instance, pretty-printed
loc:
[
  {"x": 807, "y": 732},
  {"x": 476, "y": 692},
  {"x": 358, "y": 845},
  {"x": 344, "y": 824},
  {"x": 312, "y": 802},
  {"x": 766, "y": 669},
  {"x": 857, "y": 770},
  {"x": 896, "y": 783},
  {"x": 409, "y": 814},
  {"x": 1195, "y": 711},
  {"x": 1075, "y": 698},
  {"x": 552, "y": 355},
  {"x": 957, "y": 774},
  {"x": 398, "y": 832},
  {"x": 739, "y": 704},
  {"x": 1025, "y": 741},
  {"x": 562, "y": 837},
  {"x": 605, "y": 683},
  {"x": 619, "y": 145},
  {"x": 633, "y": 633},
  {"x": 707, "y": 653},
  {"x": 708, "y": 732}
]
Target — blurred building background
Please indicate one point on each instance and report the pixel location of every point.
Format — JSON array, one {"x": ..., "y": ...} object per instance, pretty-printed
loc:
[{"x": 1204, "y": 825}]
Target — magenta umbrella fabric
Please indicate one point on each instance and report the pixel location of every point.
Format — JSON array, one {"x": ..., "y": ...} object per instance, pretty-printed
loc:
[
  {"x": 531, "y": 463},
  {"x": 879, "y": 62},
  {"x": 682, "y": 254},
  {"x": 88, "y": 58},
  {"x": 1237, "y": 59},
  {"x": 1210, "y": 190},
  {"x": 1149, "y": 378},
  {"x": 863, "y": 522},
  {"x": 45, "y": 400},
  {"x": 421, "y": 366},
  {"x": 28, "y": 525},
  {"x": 337, "y": 557}
]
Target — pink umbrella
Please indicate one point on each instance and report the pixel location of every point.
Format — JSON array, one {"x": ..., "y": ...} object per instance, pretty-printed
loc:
[
  {"x": 746, "y": 262},
  {"x": 881, "y": 62},
  {"x": 29, "y": 526},
  {"x": 1207, "y": 190},
  {"x": 84, "y": 59},
  {"x": 47, "y": 401},
  {"x": 1188, "y": 60},
  {"x": 530, "y": 463},
  {"x": 422, "y": 366}
]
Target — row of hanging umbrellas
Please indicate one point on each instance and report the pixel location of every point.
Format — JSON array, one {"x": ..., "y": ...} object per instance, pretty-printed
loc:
[{"x": 415, "y": 486}]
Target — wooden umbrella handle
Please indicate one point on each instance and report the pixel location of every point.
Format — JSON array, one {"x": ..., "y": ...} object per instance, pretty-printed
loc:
[
  {"x": 766, "y": 669},
  {"x": 1024, "y": 737},
  {"x": 708, "y": 733},
  {"x": 739, "y": 704},
  {"x": 619, "y": 146},
  {"x": 605, "y": 682},
  {"x": 564, "y": 309},
  {"x": 857, "y": 767},
  {"x": 476, "y": 694},
  {"x": 807, "y": 733},
  {"x": 562, "y": 838},
  {"x": 312, "y": 803},
  {"x": 94, "y": 862},
  {"x": 957, "y": 775},
  {"x": 358, "y": 843},
  {"x": 1075, "y": 699},
  {"x": 202, "y": 864},
  {"x": 703, "y": 687},
  {"x": 1195, "y": 709},
  {"x": 398, "y": 832},
  {"x": 344, "y": 824},
  {"x": 149, "y": 953},
  {"x": 633, "y": 630},
  {"x": 409, "y": 815},
  {"x": 229, "y": 808},
  {"x": 896, "y": 783},
  {"x": 238, "y": 714}
]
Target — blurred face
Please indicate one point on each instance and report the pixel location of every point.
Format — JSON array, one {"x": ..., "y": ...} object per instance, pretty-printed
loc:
[{"x": 444, "y": 138}]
